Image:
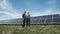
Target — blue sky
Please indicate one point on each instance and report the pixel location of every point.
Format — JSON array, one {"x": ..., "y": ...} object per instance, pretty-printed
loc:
[{"x": 10, "y": 9}]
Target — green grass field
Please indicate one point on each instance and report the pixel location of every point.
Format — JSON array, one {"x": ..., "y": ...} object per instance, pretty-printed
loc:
[{"x": 33, "y": 29}]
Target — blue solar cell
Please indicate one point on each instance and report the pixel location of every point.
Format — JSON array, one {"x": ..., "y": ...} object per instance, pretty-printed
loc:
[
  {"x": 49, "y": 16},
  {"x": 31, "y": 21},
  {"x": 56, "y": 15},
  {"x": 41, "y": 20},
  {"x": 31, "y": 18},
  {"x": 43, "y": 17},
  {"x": 36, "y": 21},
  {"x": 39, "y": 17},
  {"x": 49, "y": 20},
  {"x": 56, "y": 19}
]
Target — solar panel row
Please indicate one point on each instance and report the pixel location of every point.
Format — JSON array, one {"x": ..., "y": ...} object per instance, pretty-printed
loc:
[{"x": 47, "y": 19}]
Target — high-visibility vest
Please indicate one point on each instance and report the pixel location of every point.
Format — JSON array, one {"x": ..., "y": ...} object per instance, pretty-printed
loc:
[{"x": 28, "y": 16}]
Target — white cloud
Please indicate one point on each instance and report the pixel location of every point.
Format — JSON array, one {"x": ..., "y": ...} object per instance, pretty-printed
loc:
[
  {"x": 9, "y": 10},
  {"x": 52, "y": 2},
  {"x": 8, "y": 15},
  {"x": 47, "y": 12},
  {"x": 29, "y": 3},
  {"x": 35, "y": 14},
  {"x": 59, "y": 12}
]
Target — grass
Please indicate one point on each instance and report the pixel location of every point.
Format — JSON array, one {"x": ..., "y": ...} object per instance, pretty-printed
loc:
[{"x": 33, "y": 29}]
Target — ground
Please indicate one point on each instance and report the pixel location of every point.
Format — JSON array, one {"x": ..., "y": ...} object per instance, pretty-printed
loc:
[{"x": 33, "y": 29}]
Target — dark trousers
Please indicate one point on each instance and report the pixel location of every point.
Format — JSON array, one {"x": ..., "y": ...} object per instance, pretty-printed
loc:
[
  {"x": 28, "y": 21},
  {"x": 24, "y": 23}
]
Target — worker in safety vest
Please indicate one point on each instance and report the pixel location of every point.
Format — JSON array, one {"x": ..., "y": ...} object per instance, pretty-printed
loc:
[{"x": 28, "y": 19}]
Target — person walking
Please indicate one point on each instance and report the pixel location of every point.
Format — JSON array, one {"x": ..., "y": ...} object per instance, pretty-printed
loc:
[{"x": 24, "y": 18}]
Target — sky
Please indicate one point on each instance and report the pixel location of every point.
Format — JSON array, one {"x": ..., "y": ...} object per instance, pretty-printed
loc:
[{"x": 12, "y": 9}]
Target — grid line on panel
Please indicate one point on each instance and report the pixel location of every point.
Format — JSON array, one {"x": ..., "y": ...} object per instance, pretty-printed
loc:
[
  {"x": 49, "y": 16},
  {"x": 21, "y": 21},
  {"x": 56, "y": 19},
  {"x": 45, "y": 20},
  {"x": 52, "y": 18},
  {"x": 39, "y": 20},
  {"x": 34, "y": 19},
  {"x": 48, "y": 19},
  {"x": 56, "y": 15}
]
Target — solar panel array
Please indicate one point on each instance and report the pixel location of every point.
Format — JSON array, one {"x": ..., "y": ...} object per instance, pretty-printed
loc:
[{"x": 47, "y": 19}]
